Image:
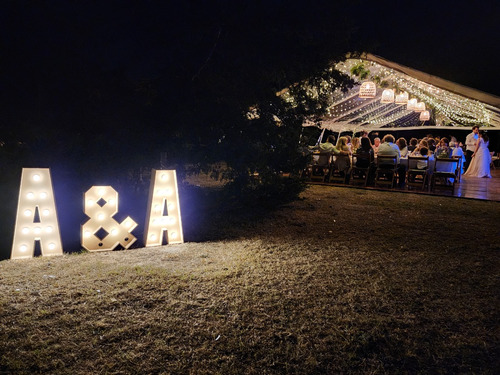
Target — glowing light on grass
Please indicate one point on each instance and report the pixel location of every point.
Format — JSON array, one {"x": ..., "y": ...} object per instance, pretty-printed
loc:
[
  {"x": 163, "y": 193},
  {"x": 36, "y": 218},
  {"x": 101, "y": 204}
]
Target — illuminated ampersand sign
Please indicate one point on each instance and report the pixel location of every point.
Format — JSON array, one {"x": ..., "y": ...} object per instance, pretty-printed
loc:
[{"x": 101, "y": 232}]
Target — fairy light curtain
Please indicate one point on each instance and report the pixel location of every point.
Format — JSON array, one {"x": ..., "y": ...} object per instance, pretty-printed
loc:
[{"x": 401, "y": 100}]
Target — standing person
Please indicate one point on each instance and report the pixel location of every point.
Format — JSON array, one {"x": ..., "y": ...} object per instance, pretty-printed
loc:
[
  {"x": 470, "y": 145},
  {"x": 481, "y": 158}
]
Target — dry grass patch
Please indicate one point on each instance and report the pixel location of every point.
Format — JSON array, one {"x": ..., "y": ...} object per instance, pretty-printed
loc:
[{"x": 342, "y": 280}]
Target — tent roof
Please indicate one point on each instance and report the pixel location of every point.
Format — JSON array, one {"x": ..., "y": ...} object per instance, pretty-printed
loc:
[
  {"x": 451, "y": 105},
  {"x": 456, "y": 88}
]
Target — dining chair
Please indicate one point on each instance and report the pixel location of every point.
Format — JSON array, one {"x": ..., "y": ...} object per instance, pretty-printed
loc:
[
  {"x": 493, "y": 159},
  {"x": 320, "y": 170},
  {"x": 386, "y": 172},
  {"x": 418, "y": 172},
  {"x": 359, "y": 175},
  {"x": 445, "y": 175}
]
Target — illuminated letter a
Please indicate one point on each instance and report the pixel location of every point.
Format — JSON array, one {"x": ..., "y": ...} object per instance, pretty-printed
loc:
[
  {"x": 164, "y": 213},
  {"x": 36, "y": 218}
]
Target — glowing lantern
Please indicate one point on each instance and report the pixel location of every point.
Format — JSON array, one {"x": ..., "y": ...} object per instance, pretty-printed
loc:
[
  {"x": 401, "y": 98},
  {"x": 387, "y": 96},
  {"x": 36, "y": 218},
  {"x": 368, "y": 90},
  {"x": 412, "y": 103},
  {"x": 164, "y": 212},
  {"x": 101, "y": 232},
  {"x": 425, "y": 116},
  {"x": 419, "y": 107}
]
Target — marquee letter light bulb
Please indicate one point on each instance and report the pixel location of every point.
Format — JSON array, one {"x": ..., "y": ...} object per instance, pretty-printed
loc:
[
  {"x": 36, "y": 218},
  {"x": 101, "y": 204},
  {"x": 164, "y": 212}
]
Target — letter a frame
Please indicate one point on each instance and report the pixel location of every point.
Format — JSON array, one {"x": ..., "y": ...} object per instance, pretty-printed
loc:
[
  {"x": 164, "y": 213},
  {"x": 36, "y": 218}
]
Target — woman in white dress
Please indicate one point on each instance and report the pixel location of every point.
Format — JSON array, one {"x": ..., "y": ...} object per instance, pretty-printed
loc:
[{"x": 481, "y": 158}]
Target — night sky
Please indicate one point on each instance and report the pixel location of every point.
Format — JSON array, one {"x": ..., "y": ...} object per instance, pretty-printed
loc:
[
  {"x": 454, "y": 40},
  {"x": 138, "y": 68}
]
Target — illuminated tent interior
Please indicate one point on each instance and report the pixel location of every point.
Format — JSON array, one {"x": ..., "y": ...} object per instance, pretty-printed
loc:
[{"x": 425, "y": 101}]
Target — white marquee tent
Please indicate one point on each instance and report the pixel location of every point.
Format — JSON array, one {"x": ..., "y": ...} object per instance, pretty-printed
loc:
[{"x": 450, "y": 105}]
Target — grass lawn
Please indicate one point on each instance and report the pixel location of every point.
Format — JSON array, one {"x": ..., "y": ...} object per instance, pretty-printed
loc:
[{"x": 341, "y": 281}]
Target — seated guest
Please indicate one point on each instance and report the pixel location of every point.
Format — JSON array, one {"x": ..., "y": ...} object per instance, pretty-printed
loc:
[
  {"x": 422, "y": 143},
  {"x": 431, "y": 144},
  {"x": 388, "y": 148},
  {"x": 326, "y": 149},
  {"x": 421, "y": 164},
  {"x": 442, "y": 150},
  {"x": 348, "y": 140},
  {"x": 365, "y": 158},
  {"x": 342, "y": 159},
  {"x": 365, "y": 153},
  {"x": 376, "y": 145},
  {"x": 458, "y": 152},
  {"x": 413, "y": 144},
  {"x": 354, "y": 144},
  {"x": 401, "y": 143},
  {"x": 342, "y": 144}
]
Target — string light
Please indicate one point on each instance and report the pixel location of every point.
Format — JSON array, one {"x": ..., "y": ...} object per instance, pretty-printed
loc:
[
  {"x": 348, "y": 109},
  {"x": 449, "y": 107}
]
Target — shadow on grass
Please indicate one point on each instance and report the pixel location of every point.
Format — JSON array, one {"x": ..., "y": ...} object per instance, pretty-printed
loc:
[{"x": 215, "y": 214}]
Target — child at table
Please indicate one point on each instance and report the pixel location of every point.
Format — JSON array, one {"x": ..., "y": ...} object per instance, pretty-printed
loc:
[
  {"x": 458, "y": 153},
  {"x": 421, "y": 164}
]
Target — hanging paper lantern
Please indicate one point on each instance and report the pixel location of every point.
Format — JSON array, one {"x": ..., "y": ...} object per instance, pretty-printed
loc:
[
  {"x": 425, "y": 116},
  {"x": 387, "y": 96},
  {"x": 412, "y": 103},
  {"x": 419, "y": 107},
  {"x": 402, "y": 98},
  {"x": 368, "y": 90}
]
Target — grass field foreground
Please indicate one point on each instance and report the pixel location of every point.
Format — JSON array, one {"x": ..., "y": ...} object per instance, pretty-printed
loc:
[{"x": 340, "y": 281}]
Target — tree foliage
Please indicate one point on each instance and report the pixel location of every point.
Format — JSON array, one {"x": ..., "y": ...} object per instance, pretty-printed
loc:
[{"x": 98, "y": 94}]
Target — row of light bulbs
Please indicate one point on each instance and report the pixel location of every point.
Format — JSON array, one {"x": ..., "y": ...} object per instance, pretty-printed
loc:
[{"x": 453, "y": 107}]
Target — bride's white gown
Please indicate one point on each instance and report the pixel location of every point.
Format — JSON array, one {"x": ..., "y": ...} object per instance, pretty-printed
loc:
[{"x": 480, "y": 164}]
